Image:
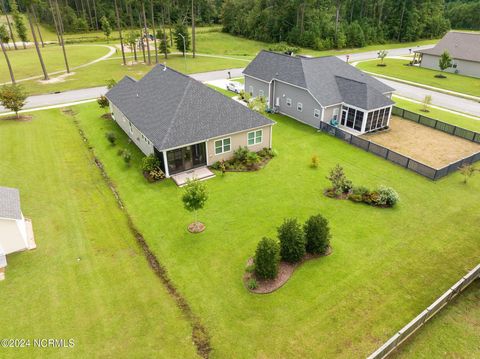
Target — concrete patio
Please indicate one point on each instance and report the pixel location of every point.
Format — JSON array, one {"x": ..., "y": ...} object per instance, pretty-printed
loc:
[{"x": 201, "y": 173}]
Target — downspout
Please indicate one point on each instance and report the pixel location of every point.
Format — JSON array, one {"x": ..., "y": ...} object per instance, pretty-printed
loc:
[{"x": 167, "y": 175}]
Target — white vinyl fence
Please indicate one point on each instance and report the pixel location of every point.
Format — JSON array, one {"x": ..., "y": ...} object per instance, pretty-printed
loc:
[{"x": 393, "y": 343}]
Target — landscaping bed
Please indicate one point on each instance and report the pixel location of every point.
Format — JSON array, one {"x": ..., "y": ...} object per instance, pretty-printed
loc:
[{"x": 245, "y": 160}]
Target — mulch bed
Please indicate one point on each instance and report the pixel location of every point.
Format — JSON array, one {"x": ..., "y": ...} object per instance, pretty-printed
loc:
[
  {"x": 257, "y": 167},
  {"x": 21, "y": 118},
  {"x": 107, "y": 116},
  {"x": 197, "y": 227},
  {"x": 285, "y": 271}
]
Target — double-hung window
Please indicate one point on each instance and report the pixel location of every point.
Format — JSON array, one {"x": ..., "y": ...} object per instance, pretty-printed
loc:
[
  {"x": 299, "y": 106},
  {"x": 289, "y": 102},
  {"x": 254, "y": 137},
  {"x": 222, "y": 146},
  {"x": 316, "y": 113},
  {"x": 261, "y": 93}
]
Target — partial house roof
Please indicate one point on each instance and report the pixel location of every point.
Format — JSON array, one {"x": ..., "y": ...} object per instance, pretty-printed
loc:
[
  {"x": 10, "y": 203},
  {"x": 329, "y": 79},
  {"x": 172, "y": 109},
  {"x": 460, "y": 45}
]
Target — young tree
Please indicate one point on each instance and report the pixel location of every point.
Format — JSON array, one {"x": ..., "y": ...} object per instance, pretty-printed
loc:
[
  {"x": 106, "y": 28},
  {"x": 4, "y": 35},
  {"x": 292, "y": 241},
  {"x": 467, "y": 170},
  {"x": 19, "y": 24},
  {"x": 427, "y": 100},
  {"x": 103, "y": 103},
  {"x": 194, "y": 199},
  {"x": 267, "y": 258},
  {"x": 179, "y": 31},
  {"x": 381, "y": 55},
  {"x": 164, "y": 44},
  {"x": 445, "y": 61},
  {"x": 111, "y": 83},
  {"x": 340, "y": 183},
  {"x": 13, "y": 97},
  {"x": 317, "y": 234},
  {"x": 258, "y": 104},
  {"x": 4, "y": 38},
  {"x": 131, "y": 40}
]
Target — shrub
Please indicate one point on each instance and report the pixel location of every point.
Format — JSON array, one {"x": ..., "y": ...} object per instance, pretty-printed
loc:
[
  {"x": 292, "y": 241},
  {"x": 240, "y": 154},
  {"x": 314, "y": 161},
  {"x": 387, "y": 196},
  {"x": 150, "y": 163},
  {"x": 111, "y": 137},
  {"x": 216, "y": 165},
  {"x": 340, "y": 183},
  {"x": 250, "y": 268},
  {"x": 355, "y": 198},
  {"x": 317, "y": 234},
  {"x": 360, "y": 190},
  {"x": 267, "y": 258},
  {"x": 252, "y": 159},
  {"x": 252, "y": 284},
  {"x": 127, "y": 156}
]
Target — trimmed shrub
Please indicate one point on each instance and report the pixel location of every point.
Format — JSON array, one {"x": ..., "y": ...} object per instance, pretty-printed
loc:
[
  {"x": 314, "y": 161},
  {"x": 252, "y": 159},
  {"x": 267, "y": 258},
  {"x": 317, "y": 234},
  {"x": 127, "y": 156},
  {"x": 240, "y": 154},
  {"x": 252, "y": 284},
  {"x": 388, "y": 196},
  {"x": 111, "y": 137},
  {"x": 360, "y": 190},
  {"x": 292, "y": 241}
]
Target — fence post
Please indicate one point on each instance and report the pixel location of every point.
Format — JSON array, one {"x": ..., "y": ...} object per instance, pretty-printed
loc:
[
  {"x": 436, "y": 123},
  {"x": 386, "y": 154},
  {"x": 368, "y": 146},
  {"x": 454, "y": 130},
  {"x": 351, "y": 136},
  {"x": 408, "y": 162}
]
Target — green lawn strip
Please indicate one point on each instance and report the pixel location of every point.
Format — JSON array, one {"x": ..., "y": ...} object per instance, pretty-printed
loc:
[
  {"x": 87, "y": 279},
  {"x": 398, "y": 68},
  {"x": 98, "y": 73},
  {"x": 452, "y": 333},
  {"x": 222, "y": 91},
  {"x": 387, "y": 264},
  {"x": 445, "y": 116},
  {"x": 25, "y": 63}
]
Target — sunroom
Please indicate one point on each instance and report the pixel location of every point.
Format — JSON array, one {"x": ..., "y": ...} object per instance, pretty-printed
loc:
[{"x": 361, "y": 121}]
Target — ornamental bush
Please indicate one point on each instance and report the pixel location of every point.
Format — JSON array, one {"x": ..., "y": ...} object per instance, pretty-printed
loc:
[
  {"x": 111, "y": 137},
  {"x": 317, "y": 234},
  {"x": 267, "y": 259},
  {"x": 240, "y": 154},
  {"x": 292, "y": 241},
  {"x": 388, "y": 196},
  {"x": 150, "y": 163}
]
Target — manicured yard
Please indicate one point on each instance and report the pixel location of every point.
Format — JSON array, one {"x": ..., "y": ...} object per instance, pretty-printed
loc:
[
  {"x": 399, "y": 69},
  {"x": 387, "y": 264},
  {"x": 453, "y": 333},
  {"x": 87, "y": 279},
  {"x": 445, "y": 116}
]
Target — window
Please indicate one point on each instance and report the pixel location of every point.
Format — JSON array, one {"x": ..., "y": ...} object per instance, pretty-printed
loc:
[
  {"x": 351, "y": 117},
  {"x": 378, "y": 119},
  {"x": 358, "y": 120},
  {"x": 250, "y": 90},
  {"x": 254, "y": 137},
  {"x": 222, "y": 146},
  {"x": 316, "y": 113},
  {"x": 299, "y": 106},
  {"x": 289, "y": 102},
  {"x": 261, "y": 93}
]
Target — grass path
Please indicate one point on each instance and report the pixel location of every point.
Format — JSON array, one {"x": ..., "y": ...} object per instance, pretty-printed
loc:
[{"x": 87, "y": 279}]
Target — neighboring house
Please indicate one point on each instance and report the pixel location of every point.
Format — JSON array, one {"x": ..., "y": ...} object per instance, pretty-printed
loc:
[
  {"x": 463, "y": 47},
  {"x": 185, "y": 123},
  {"x": 320, "y": 89},
  {"x": 15, "y": 231}
]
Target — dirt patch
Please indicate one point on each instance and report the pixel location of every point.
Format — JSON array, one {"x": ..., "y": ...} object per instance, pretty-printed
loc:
[
  {"x": 422, "y": 143},
  {"x": 196, "y": 227},
  {"x": 21, "y": 118},
  {"x": 57, "y": 79},
  {"x": 285, "y": 271}
]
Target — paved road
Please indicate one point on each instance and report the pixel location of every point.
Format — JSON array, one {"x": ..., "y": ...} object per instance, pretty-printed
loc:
[{"x": 367, "y": 55}]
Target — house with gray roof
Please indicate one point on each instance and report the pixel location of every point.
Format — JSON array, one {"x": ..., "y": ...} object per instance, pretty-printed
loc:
[
  {"x": 185, "y": 123},
  {"x": 320, "y": 89},
  {"x": 463, "y": 47}
]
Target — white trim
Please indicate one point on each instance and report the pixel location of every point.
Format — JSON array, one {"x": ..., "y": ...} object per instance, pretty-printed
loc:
[
  {"x": 223, "y": 146},
  {"x": 322, "y": 117},
  {"x": 256, "y": 78},
  {"x": 271, "y": 135},
  {"x": 165, "y": 162},
  {"x": 255, "y": 137}
]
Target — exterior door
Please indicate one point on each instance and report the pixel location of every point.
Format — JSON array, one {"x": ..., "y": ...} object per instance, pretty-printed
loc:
[
  {"x": 344, "y": 117},
  {"x": 186, "y": 158}
]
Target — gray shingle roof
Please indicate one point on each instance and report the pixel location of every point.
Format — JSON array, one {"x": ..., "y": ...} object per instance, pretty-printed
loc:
[
  {"x": 10, "y": 203},
  {"x": 320, "y": 75},
  {"x": 172, "y": 109},
  {"x": 460, "y": 45}
]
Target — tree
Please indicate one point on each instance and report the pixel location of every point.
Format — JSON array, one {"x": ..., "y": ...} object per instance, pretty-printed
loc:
[
  {"x": 339, "y": 181},
  {"x": 267, "y": 259},
  {"x": 103, "y": 103},
  {"x": 147, "y": 36},
  {"x": 467, "y": 170},
  {"x": 119, "y": 28},
  {"x": 4, "y": 36},
  {"x": 193, "y": 29},
  {"x": 37, "y": 48},
  {"x": 13, "y": 97},
  {"x": 427, "y": 100},
  {"x": 258, "y": 104},
  {"x": 194, "y": 199},
  {"x": 131, "y": 39},
  {"x": 154, "y": 31},
  {"x": 9, "y": 25},
  {"x": 292, "y": 241},
  {"x": 59, "y": 25},
  {"x": 111, "y": 83},
  {"x": 317, "y": 234},
  {"x": 445, "y": 61},
  {"x": 106, "y": 27},
  {"x": 179, "y": 31},
  {"x": 164, "y": 44},
  {"x": 19, "y": 24},
  {"x": 381, "y": 55}
]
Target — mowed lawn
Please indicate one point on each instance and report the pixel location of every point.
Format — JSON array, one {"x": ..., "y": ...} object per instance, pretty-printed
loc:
[
  {"x": 398, "y": 68},
  {"x": 25, "y": 63},
  {"x": 453, "y": 333},
  {"x": 387, "y": 264},
  {"x": 87, "y": 279}
]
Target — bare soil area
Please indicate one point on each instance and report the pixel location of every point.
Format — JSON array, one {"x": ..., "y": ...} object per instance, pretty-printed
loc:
[{"x": 424, "y": 144}]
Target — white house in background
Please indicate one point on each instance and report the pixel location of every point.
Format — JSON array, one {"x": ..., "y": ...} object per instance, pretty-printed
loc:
[{"x": 16, "y": 232}]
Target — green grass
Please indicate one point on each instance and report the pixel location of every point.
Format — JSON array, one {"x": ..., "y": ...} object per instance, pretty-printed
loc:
[
  {"x": 445, "y": 116},
  {"x": 25, "y": 63},
  {"x": 397, "y": 68},
  {"x": 87, "y": 279},
  {"x": 387, "y": 264},
  {"x": 453, "y": 333},
  {"x": 48, "y": 34}
]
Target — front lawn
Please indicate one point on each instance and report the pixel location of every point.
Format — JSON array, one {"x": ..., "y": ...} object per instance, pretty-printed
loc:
[
  {"x": 398, "y": 68},
  {"x": 87, "y": 279},
  {"x": 387, "y": 264}
]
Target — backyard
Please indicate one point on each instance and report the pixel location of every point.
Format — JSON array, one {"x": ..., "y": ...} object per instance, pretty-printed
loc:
[
  {"x": 387, "y": 266},
  {"x": 422, "y": 143},
  {"x": 400, "y": 69}
]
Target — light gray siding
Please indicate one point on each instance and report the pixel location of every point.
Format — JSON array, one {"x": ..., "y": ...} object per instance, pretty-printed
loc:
[
  {"x": 330, "y": 111},
  {"x": 281, "y": 92},
  {"x": 466, "y": 68},
  {"x": 254, "y": 86},
  {"x": 135, "y": 135}
]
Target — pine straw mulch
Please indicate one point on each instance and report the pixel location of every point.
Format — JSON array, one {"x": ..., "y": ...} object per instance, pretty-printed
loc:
[{"x": 285, "y": 271}]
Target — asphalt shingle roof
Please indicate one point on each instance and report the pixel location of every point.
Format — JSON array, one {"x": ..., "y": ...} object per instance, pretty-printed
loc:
[
  {"x": 460, "y": 45},
  {"x": 172, "y": 109},
  {"x": 325, "y": 77},
  {"x": 10, "y": 203}
]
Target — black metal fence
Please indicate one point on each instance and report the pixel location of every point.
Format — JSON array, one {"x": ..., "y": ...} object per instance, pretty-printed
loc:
[{"x": 402, "y": 160}]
